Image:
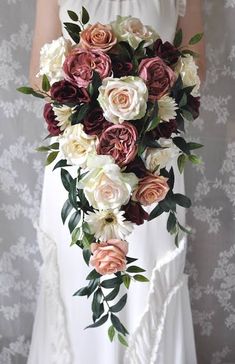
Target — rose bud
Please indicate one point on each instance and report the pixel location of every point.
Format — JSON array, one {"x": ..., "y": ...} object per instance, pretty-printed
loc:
[
  {"x": 151, "y": 189},
  {"x": 95, "y": 122},
  {"x": 109, "y": 257},
  {"x": 51, "y": 121},
  {"x": 135, "y": 213},
  {"x": 66, "y": 93},
  {"x": 166, "y": 51}
]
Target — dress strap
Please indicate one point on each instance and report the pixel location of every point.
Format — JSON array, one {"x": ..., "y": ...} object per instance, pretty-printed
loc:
[{"x": 181, "y": 7}]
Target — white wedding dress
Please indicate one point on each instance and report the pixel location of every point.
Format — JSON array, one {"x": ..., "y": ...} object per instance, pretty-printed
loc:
[{"x": 157, "y": 314}]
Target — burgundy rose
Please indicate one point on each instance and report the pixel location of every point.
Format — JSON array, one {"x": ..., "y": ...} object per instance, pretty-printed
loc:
[
  {"x": 194, "y": 105},
  {"x": 80, "y": 64},
  {"x": 95, "y": 122},
  {"x": 137, "y": 166},
  {"x": 119, "y": 141},
  {"x": 121, "y": 68},
  {"x": 66, "y": 93},
  {"x": 158, "y": 76},
  {"x": 135, "y": 213},
  {"x": 51, "y": 121},
  {"x": 164, "y": 130},
  {"x": 166, "y": 51}
]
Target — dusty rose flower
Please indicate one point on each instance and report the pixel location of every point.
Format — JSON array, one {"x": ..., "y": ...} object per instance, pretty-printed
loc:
[
  {"x": 109, "y": 257},
  {"x": 98, "y": 36},
  {"x": 119, "y": 141},
  {"x": 66, "y": 93},
  {"x": 166, "y": 51},
  {"x": 50, "y": 117},
  {"x": 79, "y": 66},
  {"x": 95, "y": 122},
  {"x": 158, "y": 76},
  {"x": 164, "y": 130},
  {"x": 121, "y": 67},
  {"x": 151, "y": 189},
  {"x": 135, "y": 213},
  {"x": 194, "y": 105}
]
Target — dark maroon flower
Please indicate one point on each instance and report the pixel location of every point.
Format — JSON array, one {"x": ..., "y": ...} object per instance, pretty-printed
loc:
[
  {"x": 164, "y": 130},
  {"x": 51, "y": 121},
  {"x": 194, "y": 105},
  {"x": 66, "y": 93},
  {"x": 120, "y": 67},
  {"x": 166, "y": 51},
  {"x": 135, "y": 213},
  {"x": 95, "y": 122},
  {"x": 137, "y": 167}
]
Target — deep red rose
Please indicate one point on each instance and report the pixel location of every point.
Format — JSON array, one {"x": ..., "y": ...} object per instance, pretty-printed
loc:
[
  {"x": 166, "y": 51},
  {"x": 66, "y": 93},
  {"x": 194, "y": 105},
  {"x": 120, "y": 67},
  {"x": 95, "y": 122},
  {"x": 164, "y": 130},
  {"x": 137, "y": 166},
  {"x": 119, "y": 141},
  {"x": 135, "y": 213},
  {"x": 50, "y": 116},
  {"x": 158, "y": 76}
]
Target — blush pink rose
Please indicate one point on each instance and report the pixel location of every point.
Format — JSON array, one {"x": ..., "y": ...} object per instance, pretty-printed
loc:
[
  {"x": 119, "y": 141},
  {"x": 151, "y": 189},
  {"x": 78, "y": 67},
  {"x": 109, "y": 257},
  {"x": 158, "y": 76},
  {"x": 98, "y": 36}
]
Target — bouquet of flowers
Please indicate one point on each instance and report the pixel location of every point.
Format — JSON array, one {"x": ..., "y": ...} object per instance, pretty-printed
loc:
[{"x": 117, "y": 98}]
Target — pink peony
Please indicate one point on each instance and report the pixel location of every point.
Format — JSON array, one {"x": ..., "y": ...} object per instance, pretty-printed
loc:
[
  {"x": 109, "y": 257},
  {"x": 158, "y": 76},
  {"x": 98, "y": 36},
  {"x": 119, "y": 141},
  {"x": 151, "y": 189},
  {"x": 79, "y": 66}
]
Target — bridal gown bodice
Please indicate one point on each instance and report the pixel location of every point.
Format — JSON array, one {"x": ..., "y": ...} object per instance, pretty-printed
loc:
[{"x": 157, "y": 314}]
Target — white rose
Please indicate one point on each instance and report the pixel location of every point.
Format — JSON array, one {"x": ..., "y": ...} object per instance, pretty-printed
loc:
[
  {"x": 131, "y": 30},
  {"x": 105, "y": 186},
  {"x": 52, "y": 56},
  {"x": 187, "y": 68},
  {"x": 123, "y": 98},
  {"x": 156, "y": 159},
  {"x": 76, "y": 145}
]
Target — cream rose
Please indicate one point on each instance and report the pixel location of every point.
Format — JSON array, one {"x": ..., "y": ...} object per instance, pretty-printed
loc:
[
  {"x": 52, "y": 57},
  {"x": 76, "y": 145},
  {"x": 123, "y": 99},
  {"x": 105, "y": 186},
  {"x": 131, "y": 30},
  {"x": 156, "y": 158},
  {"x": 187, "y": 68}
]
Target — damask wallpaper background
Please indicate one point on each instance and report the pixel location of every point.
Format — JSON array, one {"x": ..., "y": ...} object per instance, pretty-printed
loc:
[{"x": 211, "y": 253}]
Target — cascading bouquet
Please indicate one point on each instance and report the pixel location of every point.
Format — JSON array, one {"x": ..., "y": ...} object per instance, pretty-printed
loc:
[{"x": 117, "y": 100}]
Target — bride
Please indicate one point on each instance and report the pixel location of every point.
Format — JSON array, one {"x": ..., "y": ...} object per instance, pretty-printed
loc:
[{"x": 157, "y": 314}]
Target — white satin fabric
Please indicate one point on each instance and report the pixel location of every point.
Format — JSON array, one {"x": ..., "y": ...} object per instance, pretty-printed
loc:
[{"x": 157, "y": 314}]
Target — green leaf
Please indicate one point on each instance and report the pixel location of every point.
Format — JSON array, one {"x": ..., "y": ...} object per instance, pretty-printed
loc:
[
  {"x": 183, "y": 100},
  {"x": 85, "y": 16},
  {"x": 66, "y": 178},
  {"x": 74, "y": 31},
  {"x": 122, "y": 340},
  {"x": 192, "y": 53},
  {"x": 51, "y": 157},
  {"x": 118, "y": 325},
  {"x": 54, "y": 146},
  {"x": 196, "y": 38},
  {"x": 113, "y": 294},
  {"x": 74, "y": 220},
  {"x": 76, "y": 235},
  {"x": 26, "y": 90},
  {"x": 81, "y": 292},
  {"x": 184, "y": 229},
  {"x": 38, "y": 95},
  {"x": 178, "y": 38},
  {"x": 181, "y": 144},
  {"x": 66, "y": 209},
  {"x": 111, "y": 283},
  {"x": 194, "y": 159},
  {"x": 92, "y": 275},
  {"x": 43, "y": 148},
  {"x": 140, "y": 278},
  {"x": 45, "y": 83},
  {"x": 93, "y": 284},
  {"x": 182, "y": 200},
  {"x": 131, "y": 260},
  {"x": 97, "y": 298},
  {"x": 192, "y": 146},
  {"x": 171, "y": 180},
  {"x": 119, "y": 305},
  {"x": 171, "y": 223},
  {"x": 99, "y": 322},
  {"x": 187, "y": 115},
  {"x": 182, "y": 159},
  {"x": 111, "y": 333},
  {"x": 135, "y": 269},
  {"x": 73, "y": 193},
  {"x": 73, "y": 16},
  {"x": 126, "y": 280},
  {"x": 157, "y": 211},
  {"x": 86, "y": 255},
  {"x": 154, "y": 123},
  {"x": 177, "y": 240},
  {"x": 61, "y": 163},
  {"x": 80, "y": 114}
]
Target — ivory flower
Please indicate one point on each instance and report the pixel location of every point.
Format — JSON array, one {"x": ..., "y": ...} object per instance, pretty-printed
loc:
[
  {"x": 167, "y": 108},
  {"x": 187, "y": 68},
  {"x": 62, "y": 116}
]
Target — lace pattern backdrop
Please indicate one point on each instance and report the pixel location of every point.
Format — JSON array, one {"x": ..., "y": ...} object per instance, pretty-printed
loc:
[{"x": 211, "y": 255}]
